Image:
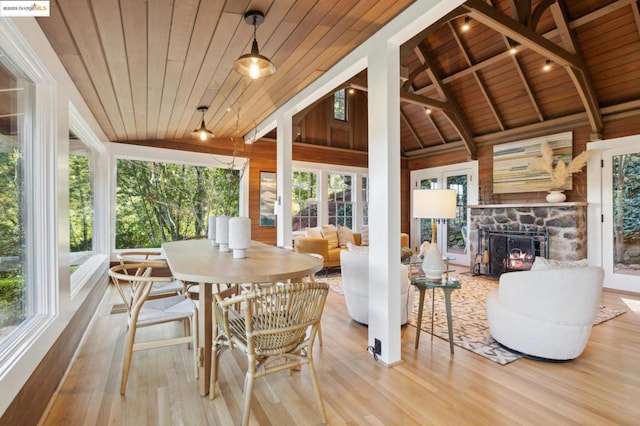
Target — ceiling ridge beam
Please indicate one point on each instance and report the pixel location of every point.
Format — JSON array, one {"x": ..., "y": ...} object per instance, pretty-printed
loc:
[{"x": 455, "y": 115}]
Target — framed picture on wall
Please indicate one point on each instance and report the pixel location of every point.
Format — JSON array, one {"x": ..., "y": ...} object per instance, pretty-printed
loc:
[
  {"x": 511, "y": 161},
  {"x": 267, "y": 198}
]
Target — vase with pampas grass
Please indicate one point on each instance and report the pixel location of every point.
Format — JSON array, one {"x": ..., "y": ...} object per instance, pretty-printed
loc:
[{"x": 559, "y": 171}]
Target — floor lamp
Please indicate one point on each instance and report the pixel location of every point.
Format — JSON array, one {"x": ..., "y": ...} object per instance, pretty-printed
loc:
[{"x": 434, "y": 204}]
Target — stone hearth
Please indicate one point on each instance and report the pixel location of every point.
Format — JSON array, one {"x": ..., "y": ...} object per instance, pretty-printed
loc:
[{"x": 565, "y": 222}]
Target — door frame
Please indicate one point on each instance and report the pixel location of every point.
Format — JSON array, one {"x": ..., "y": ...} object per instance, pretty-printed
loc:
[
  {"x": 470, "y": 168},
  {"x": 598, "y": 216}
]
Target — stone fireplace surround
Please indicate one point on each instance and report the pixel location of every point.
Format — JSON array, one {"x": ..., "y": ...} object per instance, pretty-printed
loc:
[{"x": 566, "y": 223}]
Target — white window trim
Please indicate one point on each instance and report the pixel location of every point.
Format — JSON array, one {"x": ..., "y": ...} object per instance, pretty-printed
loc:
[
  {"x": 41, "y": 179},
  {"x": 82, "y": 276}
]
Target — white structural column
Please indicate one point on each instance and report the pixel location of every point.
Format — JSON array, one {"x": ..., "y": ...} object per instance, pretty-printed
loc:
[
  {"x": 384, "y": 199},
  {"x": 284, "y": 157}
]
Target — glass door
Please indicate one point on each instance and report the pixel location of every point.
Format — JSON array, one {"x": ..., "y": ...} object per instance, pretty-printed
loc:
[
  {"x": 621, "y": 217},
  {"x": 451, "y": 234}
]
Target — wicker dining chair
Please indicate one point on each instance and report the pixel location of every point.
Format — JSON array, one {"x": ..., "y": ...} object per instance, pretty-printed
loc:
[
  {"x": 153, "y": 259},
  {"x": 276, "y": 329},
  {"x": 145, "y": 312}
]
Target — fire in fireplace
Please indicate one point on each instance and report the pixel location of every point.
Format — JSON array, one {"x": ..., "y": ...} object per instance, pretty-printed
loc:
[
  {"x": 519, "y": 260},
  {"x": 506, "y": 251}
]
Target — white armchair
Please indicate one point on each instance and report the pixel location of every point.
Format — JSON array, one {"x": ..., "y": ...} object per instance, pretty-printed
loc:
[
  {"x": 355, "y": 281},
  {"x": 546, "y": 313}
]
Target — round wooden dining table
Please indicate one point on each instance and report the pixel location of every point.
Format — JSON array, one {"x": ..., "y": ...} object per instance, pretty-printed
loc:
[{"x": 198, "y": 261}]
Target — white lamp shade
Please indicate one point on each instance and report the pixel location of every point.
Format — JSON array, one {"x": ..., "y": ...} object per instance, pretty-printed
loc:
[
  {"x": 222, "y": 232},
  {"x": 239, "y": 235},
  {"x": 434, "y": 203}
]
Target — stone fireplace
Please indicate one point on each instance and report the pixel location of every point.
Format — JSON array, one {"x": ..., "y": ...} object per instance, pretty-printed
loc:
[{"x": 516, "y": 233}]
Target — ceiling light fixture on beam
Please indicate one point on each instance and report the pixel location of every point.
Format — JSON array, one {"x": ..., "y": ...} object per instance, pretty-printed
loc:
[
  {"x": 253, "y": 64},
  {"x": 513, "y": 46},
  {"x": 546, "y": 66},
  {"x": 465, "y": 26},
  {"x": 202, "y": 133}
]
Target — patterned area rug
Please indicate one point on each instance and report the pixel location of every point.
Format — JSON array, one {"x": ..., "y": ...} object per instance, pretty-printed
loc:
[{"x": 470, "y": 326}]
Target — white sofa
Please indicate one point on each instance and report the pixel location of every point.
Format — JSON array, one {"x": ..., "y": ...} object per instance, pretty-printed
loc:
[
  {"x": 546, "y": 313},
  {"x": 355, "y": 282}
]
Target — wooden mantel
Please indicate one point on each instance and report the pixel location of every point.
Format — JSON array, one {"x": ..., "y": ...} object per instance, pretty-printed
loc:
[{"x": 505, "y": 206}]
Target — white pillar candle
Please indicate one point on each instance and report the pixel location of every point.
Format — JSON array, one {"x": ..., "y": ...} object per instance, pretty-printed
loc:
[
  {"x": 212, "y": 230},
  {"x": 239, "y": 236},
  {"x": 222, "y": 232}
]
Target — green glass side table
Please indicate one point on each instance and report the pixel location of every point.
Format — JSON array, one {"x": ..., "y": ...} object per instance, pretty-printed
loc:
[{"x": 447, "y": 285}]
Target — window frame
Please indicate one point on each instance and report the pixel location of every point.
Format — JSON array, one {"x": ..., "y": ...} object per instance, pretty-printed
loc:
[
  {"x": 315, "y": 203},
  {"x": 40, "y": 183},
  {"x": 80, "y": 277},
  {"x": 323, "y": 170},
  {"x": 120, "y": 151},
  {"x": 345, "y": 103}
]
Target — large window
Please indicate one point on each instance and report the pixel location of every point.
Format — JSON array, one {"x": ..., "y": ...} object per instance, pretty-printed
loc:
[
  {"x": 304, "y": 200},
  {"x": 158, "y": 202},
  {"x": 81, "y": 196},
  {"x": 340, "y": 105},
  {"x": 17, "y": 296},
  {"x": 340, "y": 199}
]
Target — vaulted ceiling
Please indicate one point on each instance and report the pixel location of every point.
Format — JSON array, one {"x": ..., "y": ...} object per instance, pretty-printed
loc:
[{"x": 144, "y": 66}]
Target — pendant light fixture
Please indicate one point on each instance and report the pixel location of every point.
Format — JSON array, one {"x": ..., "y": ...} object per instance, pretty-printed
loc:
[
  {"x": 253, "y": 64},
  {"x": 202, "y": 133}
]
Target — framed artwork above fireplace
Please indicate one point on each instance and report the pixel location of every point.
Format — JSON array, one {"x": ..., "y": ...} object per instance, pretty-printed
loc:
[{"x": 511, "y": 162}]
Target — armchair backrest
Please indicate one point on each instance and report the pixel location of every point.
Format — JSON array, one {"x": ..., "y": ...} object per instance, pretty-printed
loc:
[
  {"x": 570, "y": 295},
  {"x": 275, "y": 319}
]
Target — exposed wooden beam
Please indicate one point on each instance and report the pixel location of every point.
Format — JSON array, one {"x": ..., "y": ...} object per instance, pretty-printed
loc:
[
  {"x": 455, "y": 115},
  {"x": 548, "y": 35},
  {"x": 497, "y": 20},
  {"x": 523, "y": 79},
  {"x": 411, "y": 128},
  {"x": 579, "y": 76},
  {"x": 479, "y": 82},
  {"x": 437, "y": 129},
  {"x": 434, "y": 150},
  {"x": 423, "y": 101},
  {"x": 409, "y": 46}
]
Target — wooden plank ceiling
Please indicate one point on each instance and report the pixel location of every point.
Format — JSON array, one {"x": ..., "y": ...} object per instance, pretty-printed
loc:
[{"x": 144, "y": 66}]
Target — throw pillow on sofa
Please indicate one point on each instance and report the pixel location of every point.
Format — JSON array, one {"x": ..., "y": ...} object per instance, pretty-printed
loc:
[
  {"x": 330, "y": 233},
  {"x": 345, "y": 236},
  {"x": 312, "y": 232}
]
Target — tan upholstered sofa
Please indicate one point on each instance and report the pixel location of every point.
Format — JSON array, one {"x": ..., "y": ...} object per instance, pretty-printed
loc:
[{"x": 331, "y": 256}]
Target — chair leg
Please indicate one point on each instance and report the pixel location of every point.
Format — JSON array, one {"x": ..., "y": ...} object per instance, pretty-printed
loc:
[
  {"x": 320, "y": 333},
  {"x": 248, "y": 391},
  {"x": 128, "y": 352},
  {"x": 216, "y": 351},
  {"x": 195, "y": 344},
  {"x": 316, "y": 387}
]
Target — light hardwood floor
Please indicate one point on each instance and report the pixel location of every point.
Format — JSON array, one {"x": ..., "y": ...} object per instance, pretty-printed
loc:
[{"x": 430, "y": 387}]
